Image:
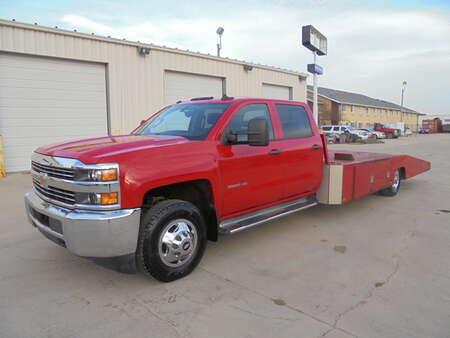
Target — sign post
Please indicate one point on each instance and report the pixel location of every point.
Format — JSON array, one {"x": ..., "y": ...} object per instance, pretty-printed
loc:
[{"x": 317, "y": 43}]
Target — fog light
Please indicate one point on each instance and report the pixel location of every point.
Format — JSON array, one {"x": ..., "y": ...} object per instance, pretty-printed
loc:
[{"x": 109, "y": 198}]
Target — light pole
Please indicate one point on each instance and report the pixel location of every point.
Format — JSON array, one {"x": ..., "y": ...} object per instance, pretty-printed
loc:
[
  {"x": 317, "y": 43},
  {"x": 401, "y": 103},
  {"x": 219, "y": 33}
]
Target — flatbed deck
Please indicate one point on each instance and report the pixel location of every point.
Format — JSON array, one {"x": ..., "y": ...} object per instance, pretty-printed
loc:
[{"x": 350, "y": 175}]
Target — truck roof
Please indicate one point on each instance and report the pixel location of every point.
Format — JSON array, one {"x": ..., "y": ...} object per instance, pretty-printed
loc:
[{"x": 228, "y": 99}]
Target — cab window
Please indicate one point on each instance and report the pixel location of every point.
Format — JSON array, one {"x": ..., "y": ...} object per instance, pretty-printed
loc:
[
  {"x": 247, "y": 113},
  {"x": 294, "y": 121}
]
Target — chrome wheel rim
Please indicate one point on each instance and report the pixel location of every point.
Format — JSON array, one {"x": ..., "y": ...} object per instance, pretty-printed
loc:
[
  {"x": 396, "y": 180},
  {"x": 177, "y": 243}
]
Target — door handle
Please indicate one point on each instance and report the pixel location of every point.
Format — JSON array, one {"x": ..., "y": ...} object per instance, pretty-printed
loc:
[
  {"x": 275, "y": 152},
  {"x": 316, "y": 146}
]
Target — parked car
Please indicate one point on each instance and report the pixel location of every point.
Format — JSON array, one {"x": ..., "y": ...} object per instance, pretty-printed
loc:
[
  {"x": 378, "y": 134},
  {"x": 356, "y": 134},
  {"x": 425, "y": 130},
  {"x": 390, "y": 132},
  {"x": 152, "y": 198}
]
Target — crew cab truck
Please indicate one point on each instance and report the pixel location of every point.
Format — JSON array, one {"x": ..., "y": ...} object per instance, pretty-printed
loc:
[
  {"x": 197, "y": 169},
  {"x": 390, "y": 132}
]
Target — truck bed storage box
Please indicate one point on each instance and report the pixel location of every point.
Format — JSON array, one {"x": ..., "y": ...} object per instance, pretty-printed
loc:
[{"x": 351, "y": 175}]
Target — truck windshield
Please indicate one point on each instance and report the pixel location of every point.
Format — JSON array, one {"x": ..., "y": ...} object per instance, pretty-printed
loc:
[{"x": 193, "y": 121}]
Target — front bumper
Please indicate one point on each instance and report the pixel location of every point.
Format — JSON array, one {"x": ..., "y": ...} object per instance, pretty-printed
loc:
[{"x": 86, "y": 233}]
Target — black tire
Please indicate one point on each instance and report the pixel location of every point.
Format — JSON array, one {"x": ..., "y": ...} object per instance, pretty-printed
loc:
[
  {"x": 395, "y": 186},
  {"x": 149, "y": 256}
]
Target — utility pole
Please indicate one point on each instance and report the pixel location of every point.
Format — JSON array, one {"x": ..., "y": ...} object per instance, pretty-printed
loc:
[{"x": 401, "y": 104}]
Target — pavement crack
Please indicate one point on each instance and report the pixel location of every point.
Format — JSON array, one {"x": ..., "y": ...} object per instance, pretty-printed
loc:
[
  {"x": 280, "y": 302},
  {"x": 260, "y": 315},
  {"x": 370, "y": 294},
  {"x": 159, "y": 317}
]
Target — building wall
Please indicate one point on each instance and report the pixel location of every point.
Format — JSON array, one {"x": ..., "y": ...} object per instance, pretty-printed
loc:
[
  {"x": 328, "y": 110},
  {"x": 331, "y": 112},
  {"x": 360, "y": 116},
  {"x": 136, "y": 83}
]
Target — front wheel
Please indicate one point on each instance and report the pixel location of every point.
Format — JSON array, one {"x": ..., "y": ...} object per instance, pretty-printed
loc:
[
  {"x": 393, "y": 189},
  {"x": 172, "y": 240}
]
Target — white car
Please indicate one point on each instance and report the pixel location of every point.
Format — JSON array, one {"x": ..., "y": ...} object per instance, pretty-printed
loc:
[
  {"x": 338, "y": 130},
  {"x": 378, "y": 134}
]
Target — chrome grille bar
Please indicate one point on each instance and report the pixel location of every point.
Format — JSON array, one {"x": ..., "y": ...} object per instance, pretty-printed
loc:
[
  {"x": 53, "y": 171},
  {"x": 53, "y": 193}
]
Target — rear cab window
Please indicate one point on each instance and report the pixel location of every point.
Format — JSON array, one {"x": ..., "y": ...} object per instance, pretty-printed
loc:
[{"x": 294, "y": 121}]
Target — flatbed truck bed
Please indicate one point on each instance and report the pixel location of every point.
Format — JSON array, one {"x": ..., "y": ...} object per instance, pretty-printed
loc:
[{"x": 350, "y": 175}]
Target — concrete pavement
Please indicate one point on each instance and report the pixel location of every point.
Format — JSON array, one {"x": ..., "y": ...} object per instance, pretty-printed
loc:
[{"x": 376, "y": 267}]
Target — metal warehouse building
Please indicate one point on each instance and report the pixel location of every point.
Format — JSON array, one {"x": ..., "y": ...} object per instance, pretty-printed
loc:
[{"x": 59, "y": 85}]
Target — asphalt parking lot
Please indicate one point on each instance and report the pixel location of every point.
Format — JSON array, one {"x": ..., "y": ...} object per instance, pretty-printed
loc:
[{"x": 377, "y": 267}]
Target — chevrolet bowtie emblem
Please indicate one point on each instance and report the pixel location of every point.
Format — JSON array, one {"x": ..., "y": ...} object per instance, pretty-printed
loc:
[{"x": 43, "y": 179}]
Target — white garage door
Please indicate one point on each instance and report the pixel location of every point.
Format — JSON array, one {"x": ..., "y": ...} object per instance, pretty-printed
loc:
[
  {"x": 44, "y": 100},
  {"x": 271, "y": 91},
  {"x": 183, "y": 86}
]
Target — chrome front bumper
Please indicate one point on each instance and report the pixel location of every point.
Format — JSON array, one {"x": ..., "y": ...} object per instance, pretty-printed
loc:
[{"x": 84, "y": 232}]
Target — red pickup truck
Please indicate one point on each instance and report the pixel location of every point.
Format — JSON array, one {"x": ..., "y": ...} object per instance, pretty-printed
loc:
[
  {"x": 151, "y": 199},
  {"x": 390, "y": 132}
]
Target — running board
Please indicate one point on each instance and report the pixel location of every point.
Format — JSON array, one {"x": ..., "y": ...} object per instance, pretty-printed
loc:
[{"x": 246, "y": 221}]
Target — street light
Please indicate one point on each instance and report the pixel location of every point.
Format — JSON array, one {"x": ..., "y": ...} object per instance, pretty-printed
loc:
[
  {"x": 317, "y": 43},
  {"x": 219, "y": 33},
  {"x": 401, "y": 103}
]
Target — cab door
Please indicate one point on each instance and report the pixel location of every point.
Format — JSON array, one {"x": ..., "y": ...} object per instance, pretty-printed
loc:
[
  {"x": 251, "y": 176},
  {"x": 301, "y": 151}
]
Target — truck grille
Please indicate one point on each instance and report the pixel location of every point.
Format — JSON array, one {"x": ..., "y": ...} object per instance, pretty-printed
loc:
[
  {"x": 55, "y": 194},
  {"x": 51, "y": 171}
]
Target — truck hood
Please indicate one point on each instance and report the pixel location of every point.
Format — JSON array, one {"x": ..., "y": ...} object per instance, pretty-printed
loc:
[{"x": 93, "y": 150}]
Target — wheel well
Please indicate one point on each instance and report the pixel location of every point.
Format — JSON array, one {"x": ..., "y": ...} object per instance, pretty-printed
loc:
[
  {"x": 402, "y": 173},
  {"x": 198, "y": 192}
]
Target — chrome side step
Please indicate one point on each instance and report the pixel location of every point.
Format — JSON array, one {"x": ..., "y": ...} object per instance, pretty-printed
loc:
[{"x": 243, "y": 222}]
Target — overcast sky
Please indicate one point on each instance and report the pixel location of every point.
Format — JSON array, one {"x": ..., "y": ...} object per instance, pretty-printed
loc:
[{"x": 373, "y": 45}]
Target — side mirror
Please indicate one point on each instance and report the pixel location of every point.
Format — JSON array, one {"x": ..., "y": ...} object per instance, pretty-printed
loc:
[
  {"x": 142, "y": 122},
  {"x": 258, "y": 132}
]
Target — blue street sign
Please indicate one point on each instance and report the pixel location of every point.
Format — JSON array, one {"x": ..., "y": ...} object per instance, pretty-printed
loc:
[{"x": 314, "y": 68}]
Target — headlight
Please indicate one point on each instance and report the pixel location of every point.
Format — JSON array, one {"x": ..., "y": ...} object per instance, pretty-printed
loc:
[
  {"x": 96, "y": 175},
  {"x": 108, "y": 198}
]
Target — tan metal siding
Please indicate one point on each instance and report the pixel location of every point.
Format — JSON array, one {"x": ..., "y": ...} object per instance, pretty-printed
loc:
[{"x": 136, "y": 83}]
